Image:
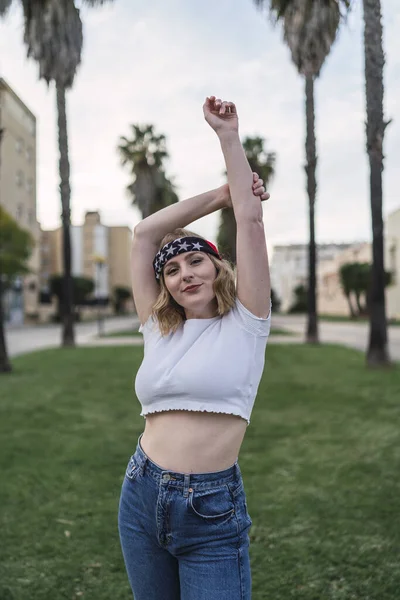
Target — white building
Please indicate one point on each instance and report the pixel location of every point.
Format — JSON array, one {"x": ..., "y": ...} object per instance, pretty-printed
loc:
[
  {"x": 392, "y": 264},
  {"x": 88, "y": 241},
  {"x": 289, "y": 268}
]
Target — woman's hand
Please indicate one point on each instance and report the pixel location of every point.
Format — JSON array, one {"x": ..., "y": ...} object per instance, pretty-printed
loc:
[
  {"x": 258, "y": 190},
  {"x": 221, "y": 116}
]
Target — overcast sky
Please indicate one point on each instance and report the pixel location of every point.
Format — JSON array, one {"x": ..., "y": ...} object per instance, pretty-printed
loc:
[{"x": 156, "y": 61}]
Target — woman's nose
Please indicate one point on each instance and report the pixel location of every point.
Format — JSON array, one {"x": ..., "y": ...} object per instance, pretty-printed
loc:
[{"x": 185, "y": 272}]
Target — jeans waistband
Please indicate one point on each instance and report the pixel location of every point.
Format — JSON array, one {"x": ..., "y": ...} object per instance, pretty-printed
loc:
[{"x": 183, "y": 480}]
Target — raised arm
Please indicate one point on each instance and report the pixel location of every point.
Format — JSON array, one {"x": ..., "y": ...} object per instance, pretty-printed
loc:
[
  {"x": 253, "y": 277},
  {"x": 149, "y": 233}
]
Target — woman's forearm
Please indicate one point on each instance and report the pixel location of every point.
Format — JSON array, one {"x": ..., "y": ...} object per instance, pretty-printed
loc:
[
  {"x": 180, "y": 214},
  {"x": 240, "y": 177}
]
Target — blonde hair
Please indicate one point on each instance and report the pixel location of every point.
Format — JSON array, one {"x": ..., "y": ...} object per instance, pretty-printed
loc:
[{"x": 169, "y": 313}]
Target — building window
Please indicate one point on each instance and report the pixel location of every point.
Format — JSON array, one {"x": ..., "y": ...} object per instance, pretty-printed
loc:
[
  {"x": 20, "y": 211},
  {"x": 29, "y": 186},
  {"x": 29, "y": 154},
  {"x": 31, "y": 217},
  {"x": 19, "y": 145}
]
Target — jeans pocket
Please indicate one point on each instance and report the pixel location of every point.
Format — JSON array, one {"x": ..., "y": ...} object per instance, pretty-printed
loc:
[
  {"x": 132, "y": 470},
  {"x": 211, "y": 504},
  {"x": 240, "y": 501}
]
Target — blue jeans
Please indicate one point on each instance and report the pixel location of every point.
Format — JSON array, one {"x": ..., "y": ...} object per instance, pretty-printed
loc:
[{"x": 184, "y": 537}]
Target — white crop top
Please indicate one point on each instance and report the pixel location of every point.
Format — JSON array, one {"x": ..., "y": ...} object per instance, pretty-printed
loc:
[{"x": 212, "y": 365}]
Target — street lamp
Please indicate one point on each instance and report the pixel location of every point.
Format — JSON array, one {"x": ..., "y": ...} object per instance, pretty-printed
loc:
[{"x": 99, "y": 261}]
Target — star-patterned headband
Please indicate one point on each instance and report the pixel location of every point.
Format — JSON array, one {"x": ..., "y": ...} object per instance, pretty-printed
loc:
[{"x": 184, "y": 244}]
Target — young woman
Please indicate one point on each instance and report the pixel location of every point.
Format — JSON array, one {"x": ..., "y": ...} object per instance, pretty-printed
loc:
[{"x": 183, "y": 517}]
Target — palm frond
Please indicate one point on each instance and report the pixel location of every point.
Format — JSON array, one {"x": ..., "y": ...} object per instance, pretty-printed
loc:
[
  {"x": 53, "y": 35},
  {"x": 310, "y": 28},
  {"x": 4, "y": 6},
  {"x": 96, "y": 2},
  {"x": 276, "y": 9}
]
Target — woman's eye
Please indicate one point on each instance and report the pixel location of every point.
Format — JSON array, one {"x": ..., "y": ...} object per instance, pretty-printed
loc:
[{"x": 196, "y": 260}]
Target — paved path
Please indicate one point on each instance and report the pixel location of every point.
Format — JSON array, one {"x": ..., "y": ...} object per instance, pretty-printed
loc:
[
  {"x": 37, "y": 337},
  {"x": 354, "y": 335}
]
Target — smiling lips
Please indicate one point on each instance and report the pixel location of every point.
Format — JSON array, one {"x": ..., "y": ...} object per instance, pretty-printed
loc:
[{"x": 191, "y": 288}]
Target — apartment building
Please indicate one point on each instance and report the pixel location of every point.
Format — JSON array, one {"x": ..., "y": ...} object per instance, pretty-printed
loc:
[
  {"x": 289, "y": 268},
  {"x": 18, "y": 194},
  {"x": 331, "y": 299},
  {"x": 91, "y": 243}
]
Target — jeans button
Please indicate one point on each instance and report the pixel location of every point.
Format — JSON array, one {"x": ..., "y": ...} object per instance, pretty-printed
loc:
[{"x": 166, "y": 477}]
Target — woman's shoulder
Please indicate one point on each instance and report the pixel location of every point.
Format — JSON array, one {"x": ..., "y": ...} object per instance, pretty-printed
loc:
[{"x": 243, "y": 317}]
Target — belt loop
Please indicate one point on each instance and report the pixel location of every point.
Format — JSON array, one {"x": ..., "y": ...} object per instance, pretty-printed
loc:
[
  {"x": 186, "y": 486},
  {"x": 237, "y": 470}
]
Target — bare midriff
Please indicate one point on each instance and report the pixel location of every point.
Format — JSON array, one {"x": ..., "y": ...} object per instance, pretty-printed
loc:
[{"x": 193, "y": 442}]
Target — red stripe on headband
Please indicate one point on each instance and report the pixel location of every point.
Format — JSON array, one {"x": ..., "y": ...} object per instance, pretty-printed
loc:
[{"x": 213, "y": 247}]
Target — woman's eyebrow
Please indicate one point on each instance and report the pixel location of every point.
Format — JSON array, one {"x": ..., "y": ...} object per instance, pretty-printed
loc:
[{"x": 174, "y": 262}]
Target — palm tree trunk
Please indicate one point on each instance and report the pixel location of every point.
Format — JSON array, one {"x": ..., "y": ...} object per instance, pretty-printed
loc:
[
  {"x": 310, "y": 168},
  {"x": 352, "y": 311},
  {"x": 377, "y": 353},
  {"x": 65, "y": 191},
  {"x": 5, "y": 365}
]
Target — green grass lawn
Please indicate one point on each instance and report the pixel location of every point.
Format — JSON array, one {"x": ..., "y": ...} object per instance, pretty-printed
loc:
[
  {"x": 320, "y": 462},
  {"x": 131, "y": 332},
  {"x": 341, "y": 319}
]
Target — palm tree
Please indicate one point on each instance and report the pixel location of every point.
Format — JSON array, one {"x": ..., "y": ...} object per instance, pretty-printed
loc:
[
  {"x": 53, "y": 35},
  {"x": 310, "y": 28},
  {"x": 261, "y": 162},
  {"x": 377, "y": 353},
  {"x": 145, "y": 153}
]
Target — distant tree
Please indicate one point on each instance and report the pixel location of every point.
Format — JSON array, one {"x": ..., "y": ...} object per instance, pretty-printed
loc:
[
  {"x": 310, "y": 28},
  {"x": 16, "y": 246},
  {"x": 82, "y": 288},
  {"x": 275, "y": 301},
  {"x": 261, "y": 162},
  {"x": 300, "y": 302},
  {"x": 356, "y": 278},
  {"x": 53, "y": 36},
  {"x": 347, "y": 278},
  {"x": 144, "y": 153},
  {"x": 121, "y": 294}
]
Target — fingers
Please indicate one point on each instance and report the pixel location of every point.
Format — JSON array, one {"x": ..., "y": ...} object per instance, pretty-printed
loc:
[
  {"x": 258, "y": 183},
  {"x": 259, "y": 191},
  {"x": 219, "y": 106},
  {"x": 258, "y": 187}
]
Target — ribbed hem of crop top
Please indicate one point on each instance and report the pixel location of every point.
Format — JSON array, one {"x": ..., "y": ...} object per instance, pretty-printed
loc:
[
  {"x": 259, "y": 326},
  {"x": 195, "y": 406}
]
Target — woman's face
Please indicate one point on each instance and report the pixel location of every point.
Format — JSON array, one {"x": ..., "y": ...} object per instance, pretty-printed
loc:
[{"x": 187, "y": 270}]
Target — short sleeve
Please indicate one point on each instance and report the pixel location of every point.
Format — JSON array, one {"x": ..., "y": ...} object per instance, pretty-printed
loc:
[
  {"x": 149, "y": 327},
  {"x": 257, "y": 326}
]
